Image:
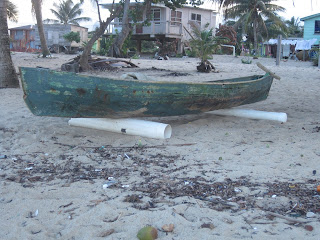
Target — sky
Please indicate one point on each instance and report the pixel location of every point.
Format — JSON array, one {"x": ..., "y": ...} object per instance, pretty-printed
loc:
[{"x": 296, "y": 8}]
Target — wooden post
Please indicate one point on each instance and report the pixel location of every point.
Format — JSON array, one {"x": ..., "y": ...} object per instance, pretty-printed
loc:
[
  {"x": 319, "y": 57},
  {"x": 139, "y": 46},
  {"x": 278, "y": 50}
]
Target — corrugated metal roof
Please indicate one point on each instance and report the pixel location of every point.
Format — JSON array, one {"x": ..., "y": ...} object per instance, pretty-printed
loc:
[{"x": 27, "y": 27}]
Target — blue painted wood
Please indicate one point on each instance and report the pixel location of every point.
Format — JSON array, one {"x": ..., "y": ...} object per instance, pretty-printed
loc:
[{"x": 52, "y": 93}]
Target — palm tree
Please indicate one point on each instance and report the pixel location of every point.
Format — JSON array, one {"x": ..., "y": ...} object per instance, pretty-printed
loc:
[
  {"x": 295, "y": 30},
  {"x": 204, "y": 43},
  {"x": 67, "y": 13},
  {"x": 12, "y": 12},
  {"x": 253, "y": 13},
  {"x": 8, "y": 76},
  {"x": 36, "y": 8}
]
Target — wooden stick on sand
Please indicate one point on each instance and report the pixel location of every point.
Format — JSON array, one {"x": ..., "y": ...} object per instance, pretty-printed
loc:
[{"x": 268, "y": 71}]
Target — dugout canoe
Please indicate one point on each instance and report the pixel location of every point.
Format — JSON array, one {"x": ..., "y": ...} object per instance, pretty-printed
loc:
[{"x": 63, "y": 94}]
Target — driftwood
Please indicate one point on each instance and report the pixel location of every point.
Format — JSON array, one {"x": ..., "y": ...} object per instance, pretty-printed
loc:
[
  {"x": 268, "y": 71},
  {"x": 100, "y": 64}
]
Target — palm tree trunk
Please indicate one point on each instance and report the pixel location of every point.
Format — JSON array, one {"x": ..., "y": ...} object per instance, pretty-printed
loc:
[
  {"x": 255, "y": 38},
  {"x": 115, "y": 50},
  {"x": 8, "y": 76},
  {"x": 37, "y": 9}
]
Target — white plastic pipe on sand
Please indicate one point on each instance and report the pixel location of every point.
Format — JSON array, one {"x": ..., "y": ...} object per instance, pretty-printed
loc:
[
  {"x": 126, "y": 126},
  {"x": 254, "y": 114}
]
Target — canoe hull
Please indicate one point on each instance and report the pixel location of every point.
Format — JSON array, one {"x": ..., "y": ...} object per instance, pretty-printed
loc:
[{"x": 62, "y": 94}]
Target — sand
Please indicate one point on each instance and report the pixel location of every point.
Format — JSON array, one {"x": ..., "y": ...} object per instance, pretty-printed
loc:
[{"x": 215, "y": 178}]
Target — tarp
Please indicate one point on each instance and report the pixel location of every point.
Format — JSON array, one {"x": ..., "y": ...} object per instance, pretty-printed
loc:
[
  {"x": 300, "y": 44},
  {"x": 305, "y": 44},
  {"x": 283, "y": 42}
]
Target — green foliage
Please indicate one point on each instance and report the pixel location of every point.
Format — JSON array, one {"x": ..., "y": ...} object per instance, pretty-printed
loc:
[
  {"x": 135, "y": 56},
  {"x": 294, "y": 27},
  {"x": 251, "y": 16},
  {"x": 204, "y": 43},
  {"x": 102, "y": 52},
  {"x": 72, "y": 37},
  {"x": 191, "y": 53},
  {"x": 148, "y": 47}
]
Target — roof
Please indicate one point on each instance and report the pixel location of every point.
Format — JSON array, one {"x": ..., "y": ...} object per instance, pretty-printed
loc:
[
  {"x": 31, "y": 27},
  {"x": 110, "y": 5},
  {"x": 27, "y": 27},
  {"x": 309, "y": 17}
]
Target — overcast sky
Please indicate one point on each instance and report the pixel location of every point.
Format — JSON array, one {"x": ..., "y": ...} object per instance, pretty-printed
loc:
[{"x": 300, "y": 8}]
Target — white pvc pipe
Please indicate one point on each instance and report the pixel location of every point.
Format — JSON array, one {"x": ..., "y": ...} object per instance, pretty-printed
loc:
[
  {"x": 233, "y": 49},
  {"x": 126, "y": 126},
  {"x": 247, "y": 113}
]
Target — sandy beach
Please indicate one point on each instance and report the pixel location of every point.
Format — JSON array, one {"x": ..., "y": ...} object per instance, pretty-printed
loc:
[{"x": 215, "y": 178}]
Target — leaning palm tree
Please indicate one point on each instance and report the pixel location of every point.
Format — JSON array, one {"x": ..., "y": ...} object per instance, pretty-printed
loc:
[
  {"x": 37, "y": 10},
  {"x": 67, "y": 13},
  {"x": 8, "y": 76},
  {"x": 253, "y": 13}
]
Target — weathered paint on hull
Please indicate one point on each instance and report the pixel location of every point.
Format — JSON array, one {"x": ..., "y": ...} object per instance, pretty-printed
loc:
[{"x": 62, "y": 94}]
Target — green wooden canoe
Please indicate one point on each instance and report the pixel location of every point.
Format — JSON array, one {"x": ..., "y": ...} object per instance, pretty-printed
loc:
[{"x": 63, "y": 94}]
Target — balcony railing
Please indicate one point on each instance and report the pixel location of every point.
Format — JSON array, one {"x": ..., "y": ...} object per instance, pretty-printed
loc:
[{"x": 154, "y": 28}]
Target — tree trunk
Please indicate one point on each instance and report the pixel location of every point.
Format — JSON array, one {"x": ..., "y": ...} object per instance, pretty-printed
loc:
[
  {"x": 255, "y": 39},
  {"x": 8, "y": 76},
  {"x": 116, "y": 48},
  {"x": 38, "y": 12},
  {"x": 84, "y": 65}
]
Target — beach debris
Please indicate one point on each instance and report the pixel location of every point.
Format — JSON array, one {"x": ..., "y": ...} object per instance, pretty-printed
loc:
[
  {"x": 308, "y": 228},
  {"x": 134, "y": 198},
  {"x": 3, "y": 156},
  {"x": 208, "y": 225},
  {"x": 310, "y": 215},
  {"x": 33, "y": 214},
  {"x": 314, "y": 172},
  {"x": 318, "y": 188},
  {"x": 101, "y": 64},
  {"x": 147, "y": 233},
  {"x": 109, "y": 183},
  {"x": 36, "y": 231},
  {"x": 106, "y": 233},
  {"x": 168, "y": 227}
]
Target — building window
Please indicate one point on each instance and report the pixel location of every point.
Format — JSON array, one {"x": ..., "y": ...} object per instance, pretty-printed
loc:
[
  {"x": 156, "y": 15},
  {"x": 196, "y": 17},
  {"x": 317, "y": 26},
  {"x": 176, "y": 17}
]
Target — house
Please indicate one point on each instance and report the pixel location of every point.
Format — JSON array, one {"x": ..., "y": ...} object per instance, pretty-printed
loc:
[
  {"x": 26, "y": 38},
  {"x": 54, "y": 34},
  {"x": 312, "y": 27},
  {"x": 166, "y": 24},
  {"x": 22, "y": 38}
]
